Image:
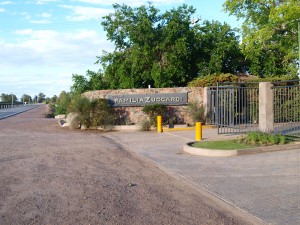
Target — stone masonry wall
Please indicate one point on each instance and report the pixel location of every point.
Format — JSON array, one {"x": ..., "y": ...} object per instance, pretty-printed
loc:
[{"x": 135, "y": 115}]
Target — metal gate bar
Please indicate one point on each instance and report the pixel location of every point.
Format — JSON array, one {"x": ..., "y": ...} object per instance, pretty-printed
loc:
[
  {"x": 287, "y": 110},
  {"x": 237, "y": 108}
]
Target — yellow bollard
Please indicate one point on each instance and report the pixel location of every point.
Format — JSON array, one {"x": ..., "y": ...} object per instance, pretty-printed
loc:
[
  {"x": 198, "y": 131},
  {"x": 159, "y": 124}
]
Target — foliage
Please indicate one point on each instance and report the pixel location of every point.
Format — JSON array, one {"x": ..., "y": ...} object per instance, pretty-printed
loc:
[
  {"x": 212, "y": 80},
  {"x": 92, "y": 81},
  {"x": 26, "y": 98},
  {"x": 162, "y": 49},
  {"x": 92, "y": 113},
  {"x": 196, "y": 112},
  {"x": 153, "y": 111},
  {"x": 145, "y": 125},
  {"x": 62, "y": 103},
  {"x": 49, "y": 111},
  {"x": 269, "y": 34},
  {"x": 8, "y": 97},
  {"x": 258, "y": 138},
  {"x": 41, "y": 97},
  {"x": 219, "y": 50}
]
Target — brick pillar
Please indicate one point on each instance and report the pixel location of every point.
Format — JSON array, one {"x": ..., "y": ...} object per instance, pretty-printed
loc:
[{"x": 266, "y": 111}]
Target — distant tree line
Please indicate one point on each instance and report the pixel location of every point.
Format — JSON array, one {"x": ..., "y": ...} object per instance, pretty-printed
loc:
[{"x": 41, "y": 97}]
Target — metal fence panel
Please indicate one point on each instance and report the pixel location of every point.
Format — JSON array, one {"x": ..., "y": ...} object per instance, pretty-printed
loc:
[
  {"x": 237, "y": 108},
  {"x": 287, "y": 110}
]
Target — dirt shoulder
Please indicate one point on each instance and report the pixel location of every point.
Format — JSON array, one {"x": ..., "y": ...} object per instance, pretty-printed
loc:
[{"x": 53, "y": 175}]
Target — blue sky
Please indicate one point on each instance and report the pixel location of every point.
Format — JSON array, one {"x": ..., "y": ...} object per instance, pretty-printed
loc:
[{"x": 44, "y": 42}]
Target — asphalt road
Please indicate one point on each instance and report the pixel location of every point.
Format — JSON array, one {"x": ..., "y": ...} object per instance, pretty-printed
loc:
[{"x": 4, "y": 113}]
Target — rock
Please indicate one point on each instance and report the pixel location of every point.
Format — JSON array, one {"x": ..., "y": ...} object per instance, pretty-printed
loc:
[
  {"x": 72, "y": 120},
  {"x": 61, "y": 116}
]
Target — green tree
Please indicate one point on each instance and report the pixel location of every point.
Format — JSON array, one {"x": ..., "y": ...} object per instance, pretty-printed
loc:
[
  {"x": 165, "y": 49},
  {"x": 41, "y": 97},
  {"x": 62, "y": 103},
  {"x": 80, "y": 84},
  {"x": 91, "y": 81},
  {"x": 219, "y": 50},
  {"x": 26, "y": 98},
  {"x": 8, "y": 97},
  {"x": 269, "y": 34}
]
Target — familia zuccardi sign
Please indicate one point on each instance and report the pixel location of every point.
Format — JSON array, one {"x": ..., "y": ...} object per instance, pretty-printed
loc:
[{"x": 124, "y": 100}]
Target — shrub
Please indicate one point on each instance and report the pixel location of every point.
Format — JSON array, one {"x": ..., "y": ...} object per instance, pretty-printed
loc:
[
  {"x": 92, "y": 113},
  {"x": 155, "y": 110},
  {"x": 211, "y": 80},
  {"x": 49, "y": 111},
  {"x": 261, "y": 138},
  {"x": 196, "y": 112},
  {"x": 145, "y": 125},
  {"x": 62, "y": 103}
]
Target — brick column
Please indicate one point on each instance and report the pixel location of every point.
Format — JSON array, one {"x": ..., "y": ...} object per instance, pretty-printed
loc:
[{"x": 266, "y": 111}]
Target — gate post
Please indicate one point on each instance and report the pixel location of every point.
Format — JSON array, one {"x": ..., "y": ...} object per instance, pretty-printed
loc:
[
  {"x": 206, "y": 101},
  {"x": 266, "y": 108}
]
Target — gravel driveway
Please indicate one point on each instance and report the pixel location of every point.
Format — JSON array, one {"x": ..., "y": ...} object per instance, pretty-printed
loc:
[{"x": 53, "y": 175}]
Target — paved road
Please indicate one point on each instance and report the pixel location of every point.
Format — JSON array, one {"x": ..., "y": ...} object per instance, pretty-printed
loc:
[
  {"x": 266, "y": 186},
  {"x": 4, "y": 113}
]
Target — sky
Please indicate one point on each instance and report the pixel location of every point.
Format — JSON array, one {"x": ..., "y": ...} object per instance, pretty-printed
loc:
[{"x": 44, "y": 42}]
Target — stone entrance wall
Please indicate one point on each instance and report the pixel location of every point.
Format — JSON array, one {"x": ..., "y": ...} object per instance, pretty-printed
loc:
[{"x": 128, "y": 115}]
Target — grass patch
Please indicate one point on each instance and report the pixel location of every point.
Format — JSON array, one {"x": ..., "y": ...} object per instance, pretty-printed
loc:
[
  {"x": 249, "y": 140},
  {"x": 221, "y": 145}
]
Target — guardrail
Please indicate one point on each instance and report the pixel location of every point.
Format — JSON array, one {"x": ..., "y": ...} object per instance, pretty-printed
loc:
[{"x": 6, "y": 105}]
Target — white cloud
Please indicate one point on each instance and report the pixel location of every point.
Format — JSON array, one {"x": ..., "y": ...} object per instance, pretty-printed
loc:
[
  {"x": 41, "y": 2},
  {"x": 6, "y": 3},
  {"x": 40, "y": 21},
  {"x": 24, "y": 32},
  {"x": 44, "y": 60},
  {"x": 45, "y": 15},
  {"x": 81, "y": 13},
  {"x": 2, "y": 10}
]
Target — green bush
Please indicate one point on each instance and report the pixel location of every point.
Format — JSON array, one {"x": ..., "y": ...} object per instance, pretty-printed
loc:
[
  {"x": 258, "y": 138},
  {"x": 155, "y": 110},
  {"x": 212, "y": 80},
  {"x": 92, "y": 113},
  {"x": 62, "y": 103},
  {"x": 196, "y": 112}
]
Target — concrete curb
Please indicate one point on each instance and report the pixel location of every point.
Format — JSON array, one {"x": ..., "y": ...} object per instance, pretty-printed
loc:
[{"x": 227, "y": 153}]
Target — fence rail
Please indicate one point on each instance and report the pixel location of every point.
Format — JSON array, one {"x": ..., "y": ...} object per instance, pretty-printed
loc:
[
  {"x": 234, "y": 107},
  {"x": 5, "y": 105},
  {"x": 287, "y": 109},
  {"x": 237, "y": 107}
]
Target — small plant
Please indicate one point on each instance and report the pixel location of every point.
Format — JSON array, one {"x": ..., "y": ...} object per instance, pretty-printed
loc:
[
  {"x": 153, "y": 111},
  {"x": 196, "y": 112},
  {"x": 145, "y": 125},
  {"x": 258, "y": 138}
]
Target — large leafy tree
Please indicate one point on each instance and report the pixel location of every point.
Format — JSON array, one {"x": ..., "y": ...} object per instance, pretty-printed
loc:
[
  {"x": 218, "y": 49},
  {"x": 164, "y": 50},
  {"x": 269, "y": 34}
]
